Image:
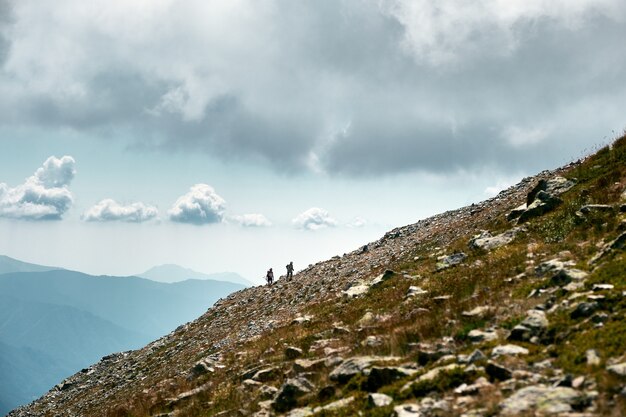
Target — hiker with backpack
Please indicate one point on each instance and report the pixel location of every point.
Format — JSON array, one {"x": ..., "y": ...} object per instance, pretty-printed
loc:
[
  {"x": 289, "y": 270},
  {"x": 270, "y": 277}
]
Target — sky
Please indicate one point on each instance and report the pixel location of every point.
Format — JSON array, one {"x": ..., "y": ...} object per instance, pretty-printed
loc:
[{"x": 241, "y": 135}]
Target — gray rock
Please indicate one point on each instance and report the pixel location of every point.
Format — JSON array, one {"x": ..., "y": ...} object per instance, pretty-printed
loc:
[
  {"x": 356, "y": 290},
  {"x": 354, "y": 366},
  {"x": 414, "y": 291},
  {"x": 596, "y": 208},
  {"x": 565, "y": 276},
  {"x": 445, "y": 262},
  {"x": 378, "y": 400},
  {"x": 617, "y": 369},
  {"x": 497, "y": 372},
  {"x": 541, "y": 400},
  {"x": 308, "y": 365},
  {"x": 477, "y": 336},
  {"x": 478, "y": 312},
  {"x": 487, "y": 242},
  {"x": 592, "y": 357},
  {"x": 584, "y": 310},
  {"x": 266, "y": 374},
  {"x": 267, "y": 391},
  {"x": 407, "y": 410},
  {"x": 533, "y": 325},
  {"x": 543, "y": 203},
  {"x": 508, "y": 350},
  {"x": 379, "y": 376},
  {"x": 288, "y": 394},
  {"x": 292, "y": 352}
]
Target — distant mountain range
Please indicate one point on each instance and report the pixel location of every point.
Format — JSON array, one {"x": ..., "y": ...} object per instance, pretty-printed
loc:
[
  {"x": 53, "y": 322},
  {"x": 175, "y": 273}
]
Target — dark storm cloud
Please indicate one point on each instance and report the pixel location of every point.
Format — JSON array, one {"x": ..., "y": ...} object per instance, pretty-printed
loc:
[{"x": 356, "y": 88}]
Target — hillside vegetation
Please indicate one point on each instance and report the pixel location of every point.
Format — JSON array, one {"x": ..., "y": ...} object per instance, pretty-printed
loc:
[{"x": 514, "y": 306}]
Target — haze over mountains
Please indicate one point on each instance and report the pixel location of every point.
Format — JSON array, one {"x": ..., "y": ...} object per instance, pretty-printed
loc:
[
  {"x": 175, "y": 273},
  {"x": 53, "y": 322}
]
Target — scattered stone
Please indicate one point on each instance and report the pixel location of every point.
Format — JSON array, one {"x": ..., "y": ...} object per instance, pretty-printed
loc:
[
  {"x": 201, "y": 367},
  {"x": 266, "y": 374},
  {"x": 565, "y": 276},
  {"x": 543, "y": 400},
  {"x": 302, "y": 319},
  {"x": 478, "y": 312},
  {"x": 435, "y": 372},
  {"x": 448, "y": 261},
  {"x": 595, "y": 208},
  {"x": 367, "y": 318},
  {"x": 308, "y": 365},
  {"x": 476, "y": 356},
  {"x": 354, "y": 366},
  {"x": 414, "y": 291},
  {"x": 356, "y": 290},
  {"x": 543, "y": 203},
  {"x": 292, "y": 352},
  {"x": 407, "y": 410},
  {"x": 578, "y": 382},
  {"x": 288, "y": 394},
  {"x": 486, "y": 241},
  {"x": 584, "y": 310},
  {"x": 380, "y": 376},
  {"x": 382, "y": 278},
  {"x": 602, "y": 287},
  {"x": 533, "y": 325},
  {"x": 477, "y": 336},
  {"x": 617, "y": 369},
  {"x": 372, "y": 341},
  {"x": 479, "y": 384},
  {"x": 592, "y": 357},
  {"x": 497, "y": 372},
  {"x": 267, "y": 391},
  {"x": 378, "y": 400},
  {"x": 508, "y": 350}
]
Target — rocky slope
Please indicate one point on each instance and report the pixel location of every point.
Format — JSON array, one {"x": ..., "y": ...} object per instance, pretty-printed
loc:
[{"x": 514, "y": 306}]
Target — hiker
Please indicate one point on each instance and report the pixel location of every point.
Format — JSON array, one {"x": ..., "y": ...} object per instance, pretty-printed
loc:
[
  {"x": 290, "y": 270},
  {"x": 270, "y": 277}
]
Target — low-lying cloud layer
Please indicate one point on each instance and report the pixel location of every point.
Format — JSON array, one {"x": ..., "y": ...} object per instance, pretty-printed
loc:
[
  {"x": 44, "y": 195},
  {"x": 313, "y": 219},
  {"x": 201, "y": 205},
  {"x": 110, "y": 210},
  {"x": 353, "y": 87},
  {"x": 252, "y": 220}
]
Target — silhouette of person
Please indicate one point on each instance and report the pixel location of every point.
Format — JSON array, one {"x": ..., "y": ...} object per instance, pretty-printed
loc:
[
  {"x": 290, "y": 270},
  {"x": 270, "y": 277}
]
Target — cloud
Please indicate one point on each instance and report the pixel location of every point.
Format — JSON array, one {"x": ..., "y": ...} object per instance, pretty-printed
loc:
[
  {"x": 44, "y": 195},
  {"x": 201, "y": 205},
  {"x": 313, "y": 219},
  {"x": 357, "y": 87},
  {"x": 357, "y": 222},
  {"x": 252, "y": 220},
  {"x": 110, "y": 210}
]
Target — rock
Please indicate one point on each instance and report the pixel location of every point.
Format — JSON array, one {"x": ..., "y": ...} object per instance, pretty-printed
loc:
[
  {"x": 543, "y": 203},
  {"x": 367, "y": 318},
  {"x": 445, "y": 262},
  {"x": 354, "y": 366},
  {"x": 508, "y": 350},
  {"x": 478, "y": 312},
  {"x": 407, "y": 410},
  {"x": 497, "y": 372},
  {"x": 617, "y": 369},
  {"x": 378, "y": 400},
  {"x": 414, "y": 291},
  {"x": 326, "y": 393},
  {"x": 596, "y": 208},
  {"x": 372, "y": 341},
  {"x": 267, "y": 391},
  {"x": 578, "y": 382},
  {"x": 356, "y": 290},
  {"x": 288, "y": 394},
  {"x": 476, "y": 356},
  {"x": 487, "y": 242},
  {"x": 266, "y": 374},
  {"x": 592, "y": 357},
  {"x": 302, "y": 319},
  {"x": 435, "y": 372},
  {"x": 516, "y": 212},
  {"x": 201, "y": 367},
  {"x": 602, "y": 287},
  {"x": 477, "y": 336},
  {"x": 533, "y": 325},
  {"x": 542, "y": 400},
  {"x": 584, "y": 310},
  {"x": 308, "y": 365},
  {"x": 379, "y": 376},
  {"x": 565, "y": 276},
  {"x": 382, "y": 278},
  {"x": 473, "y": 389},
  {"x": 335, "y": 405},
  {"x": 292, "y": 352}
]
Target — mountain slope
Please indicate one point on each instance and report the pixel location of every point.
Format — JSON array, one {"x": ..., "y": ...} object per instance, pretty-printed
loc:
[
  {"x": 8, "y": 265},
  {"x": 174, "y": 273},
  {"x": 513, "y": 306}
]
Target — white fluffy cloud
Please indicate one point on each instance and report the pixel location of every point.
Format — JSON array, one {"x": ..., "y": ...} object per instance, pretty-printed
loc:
[
  {"x": 252, "y": 220},
  {"x": 201, "y": 205},
  {"x": 111, "y": 210},
  {"x": 43, "y": 196},
  {"x": 313, "y": 219},
  {"x": 357, "y": 222}
]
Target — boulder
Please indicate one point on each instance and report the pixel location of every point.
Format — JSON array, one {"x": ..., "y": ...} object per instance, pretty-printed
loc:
[
  {"x": 356, "y": 290},
  {"x": 266, "y": 374},
  {"x": 356, "y": 365},
  {"x": 379, "y": 376},
  {"x": 407, "y": 410},
  {"x": 287, "y": 396},
  {"x": 543, "y": 400},
  {"x": 584, "y": 310},
  {"x": 308, "y": 365},
  {"x": 533, "y": 325},
  {"x": 564, "y": 276},
  {"x": 292, "y": 352},
  {"x": 477, "y": 336},
  {"x": 447, "y": 261},
  {"x": 497, "y": 372},
  {"x": 414, "y": 291},
  {"x": 617, "y": 369},
  {"x": 508, "y": 350},
  {"x": 378, "y": 400},
  {"x": 479, "y": 312},
  {"x": 592, "y": 357},
  {"x": 488, "y": 242}
]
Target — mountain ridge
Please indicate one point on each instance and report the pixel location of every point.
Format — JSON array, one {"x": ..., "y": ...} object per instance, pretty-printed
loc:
[{"x": 465, "y": 313}]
